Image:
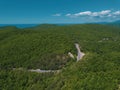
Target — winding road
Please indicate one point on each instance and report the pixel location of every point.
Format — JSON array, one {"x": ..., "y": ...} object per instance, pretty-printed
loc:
[
  {"x": 79, "y": 57},
  {"x": 80, "y": 54}
]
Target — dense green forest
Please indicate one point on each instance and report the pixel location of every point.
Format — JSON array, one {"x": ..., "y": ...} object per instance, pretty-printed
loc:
[{"x": 46, "y": 47}]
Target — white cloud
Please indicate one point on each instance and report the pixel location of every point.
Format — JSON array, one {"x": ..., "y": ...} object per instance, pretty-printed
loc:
[
  {"x": 68, "y": 14},
  {"x": 89, "y": 13},
  {"x": 110, "y": 15},
  {"x": 95, "y": 14},
  {"x": 117, "y": 13},
  {"x": 57, "y": 15},
  {"x": 83, "y": 13},
  {"x": 105, "y": 12},
  {"x": 102, "y": 14}
]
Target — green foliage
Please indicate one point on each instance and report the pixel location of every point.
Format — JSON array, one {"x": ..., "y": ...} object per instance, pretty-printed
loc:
[
  {"x": 23, "y": 80},
  {"x": 47, "y": 47}
]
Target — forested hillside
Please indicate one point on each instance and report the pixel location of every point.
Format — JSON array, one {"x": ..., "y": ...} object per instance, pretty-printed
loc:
[{"x": 46, "y": 47}]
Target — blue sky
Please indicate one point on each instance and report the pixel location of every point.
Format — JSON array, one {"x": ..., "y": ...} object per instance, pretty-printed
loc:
[{"x": 58, "y": 11}]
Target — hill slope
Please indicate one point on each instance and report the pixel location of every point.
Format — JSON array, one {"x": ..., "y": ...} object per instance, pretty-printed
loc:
[{"x": 47, "y": 48}]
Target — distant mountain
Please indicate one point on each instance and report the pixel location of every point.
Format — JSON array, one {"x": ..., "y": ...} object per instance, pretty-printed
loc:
[
  {"x": 29, "y": 26},
  {"x": 118, "y": 21},
  {"x": 8, "y": 28},
  {"x": 115, "y": 23},
  {"x": 47, "y": 25},
  {"x": 43, "y": 26},
  {"x": 18, "y": 25}
]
